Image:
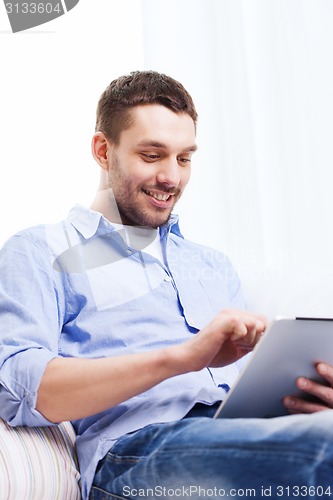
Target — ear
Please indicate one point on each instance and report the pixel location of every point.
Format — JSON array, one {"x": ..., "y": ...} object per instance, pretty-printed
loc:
[{"x": 100, "y": 149}]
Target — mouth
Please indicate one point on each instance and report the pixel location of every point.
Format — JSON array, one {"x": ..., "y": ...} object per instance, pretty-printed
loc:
[{"x": 159, "y": 199}]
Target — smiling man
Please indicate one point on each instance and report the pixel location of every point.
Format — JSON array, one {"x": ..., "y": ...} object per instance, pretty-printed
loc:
[
  {"x": 111, "y": 319},
  {"x": 148, "y": 166}
]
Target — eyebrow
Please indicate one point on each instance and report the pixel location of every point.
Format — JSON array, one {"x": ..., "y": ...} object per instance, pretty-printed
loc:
[{"x": 156, "y": 144}]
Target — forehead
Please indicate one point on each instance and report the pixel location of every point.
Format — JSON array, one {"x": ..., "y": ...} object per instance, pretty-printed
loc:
[{"x": 156, "y": 123}]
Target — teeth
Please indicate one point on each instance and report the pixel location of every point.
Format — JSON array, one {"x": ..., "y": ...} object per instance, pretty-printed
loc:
[{"x": 158, "y": 196}]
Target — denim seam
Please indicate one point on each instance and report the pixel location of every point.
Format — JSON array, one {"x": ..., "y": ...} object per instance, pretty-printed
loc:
[
  {"x": 119, "y": 459},
  {"x": 109, "y": 495},
  {"x": 253, "y": 449}
]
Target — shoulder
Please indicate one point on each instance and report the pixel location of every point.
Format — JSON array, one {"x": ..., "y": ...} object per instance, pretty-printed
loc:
[
  {"x": 34, "y": 240},
  {"x": 32, "y": 236}
]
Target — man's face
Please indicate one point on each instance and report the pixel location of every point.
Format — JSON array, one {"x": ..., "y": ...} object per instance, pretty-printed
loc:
[{"x": 150, "y": 167}]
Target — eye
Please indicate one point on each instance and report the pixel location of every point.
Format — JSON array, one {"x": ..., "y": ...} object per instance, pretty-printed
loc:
[
  {"x": 150, "y": 157},
  {"x": 184, "y": 161}
]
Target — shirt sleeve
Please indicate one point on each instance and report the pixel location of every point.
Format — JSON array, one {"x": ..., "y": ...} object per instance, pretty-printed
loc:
[{"x": 29, "y": 327}]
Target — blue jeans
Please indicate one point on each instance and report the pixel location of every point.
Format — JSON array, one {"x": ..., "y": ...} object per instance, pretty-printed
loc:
[{"x": 200, "y": 457}]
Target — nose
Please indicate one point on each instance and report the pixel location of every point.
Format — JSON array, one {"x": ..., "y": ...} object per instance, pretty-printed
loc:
[{"x": 169, "y": 173}]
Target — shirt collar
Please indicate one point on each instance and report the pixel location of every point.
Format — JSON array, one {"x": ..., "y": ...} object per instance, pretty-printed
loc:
[
  {"x": 84, "y": 220},
  {"x": 172, "y": 226},
  {"x": 87, "y": 221}
]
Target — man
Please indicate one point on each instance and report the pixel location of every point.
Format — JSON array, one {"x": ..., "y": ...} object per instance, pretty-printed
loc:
[{"x": 112, "y": 320}]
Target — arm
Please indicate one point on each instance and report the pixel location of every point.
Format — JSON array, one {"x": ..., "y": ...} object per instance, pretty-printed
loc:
[
  {"x": 76, "y": 388},
  {"x": 38, "y": 387},
  {"x": 324, "y": 393}
]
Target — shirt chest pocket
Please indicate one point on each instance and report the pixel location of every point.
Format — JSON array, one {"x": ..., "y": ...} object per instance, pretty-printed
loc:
[{"x": 201, "y": 300}]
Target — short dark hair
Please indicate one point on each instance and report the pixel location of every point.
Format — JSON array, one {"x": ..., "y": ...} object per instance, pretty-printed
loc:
[{"x": 138, "y": 88}]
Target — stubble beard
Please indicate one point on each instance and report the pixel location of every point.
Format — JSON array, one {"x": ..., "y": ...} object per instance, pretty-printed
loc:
[
  {"x": 131, "y": 214},
  {"x": 126, "y": 198}
]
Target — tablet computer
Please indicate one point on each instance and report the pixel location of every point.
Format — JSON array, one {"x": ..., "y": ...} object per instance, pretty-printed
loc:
[{"x": 290, "y": 348}]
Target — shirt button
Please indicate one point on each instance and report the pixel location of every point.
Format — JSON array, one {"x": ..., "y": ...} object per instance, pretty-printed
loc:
[
  {"x": 168, "y": 279},
  {"x": 129, "y": 251}
]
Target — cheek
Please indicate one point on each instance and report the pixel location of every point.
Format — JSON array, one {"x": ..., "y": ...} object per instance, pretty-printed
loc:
[{"x": 185, "y": 177}]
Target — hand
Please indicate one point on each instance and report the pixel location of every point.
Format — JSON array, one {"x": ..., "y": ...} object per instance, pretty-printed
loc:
[
  {"x": 323, "y": 393},
  {"x": 228, "y": 337}
]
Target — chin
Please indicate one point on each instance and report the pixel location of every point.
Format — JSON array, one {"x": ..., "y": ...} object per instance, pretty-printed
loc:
[
  {"x": 160, "y": 221},
  {"x": 147, "y": 218},
  {"x": 155, "y": 221}
]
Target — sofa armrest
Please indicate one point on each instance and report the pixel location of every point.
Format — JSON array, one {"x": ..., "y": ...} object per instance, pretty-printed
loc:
[{"x": 38, "y": 462}]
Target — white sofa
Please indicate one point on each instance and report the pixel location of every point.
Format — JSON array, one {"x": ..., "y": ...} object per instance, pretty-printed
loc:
[{"x": 38, "y": 463}]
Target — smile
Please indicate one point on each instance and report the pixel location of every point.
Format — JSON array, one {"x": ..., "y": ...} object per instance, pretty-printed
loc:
[{"x": 159, "y": 196}]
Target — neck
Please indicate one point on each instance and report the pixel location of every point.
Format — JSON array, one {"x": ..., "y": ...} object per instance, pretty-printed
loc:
[{"x": 105, "y": 203}]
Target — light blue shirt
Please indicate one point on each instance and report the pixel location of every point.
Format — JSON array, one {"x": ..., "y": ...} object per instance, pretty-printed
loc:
[{"x": 78, "y": 289}]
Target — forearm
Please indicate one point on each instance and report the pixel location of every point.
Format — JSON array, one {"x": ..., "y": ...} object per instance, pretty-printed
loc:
[
  {"x": 76, "y": 388},
  {"x": 73, "y": 388}
]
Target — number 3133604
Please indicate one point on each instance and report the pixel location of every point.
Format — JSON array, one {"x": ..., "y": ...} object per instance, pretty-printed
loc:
[
  {"x": 33, "y": 8},
  {"x": 303, "y": 491}
]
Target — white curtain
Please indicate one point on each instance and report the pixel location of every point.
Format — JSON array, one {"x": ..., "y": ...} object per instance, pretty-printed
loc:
[{"x": 261, "y": 75}]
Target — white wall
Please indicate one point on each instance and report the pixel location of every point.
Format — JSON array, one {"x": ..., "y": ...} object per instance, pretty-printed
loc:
[
  {"x": 261, "y": 75},
  {"x": 51, "y": 79}
]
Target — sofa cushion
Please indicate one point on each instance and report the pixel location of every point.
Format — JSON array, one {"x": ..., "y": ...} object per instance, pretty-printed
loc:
[{"x": 38, "y": 463}]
